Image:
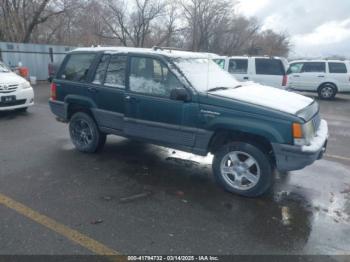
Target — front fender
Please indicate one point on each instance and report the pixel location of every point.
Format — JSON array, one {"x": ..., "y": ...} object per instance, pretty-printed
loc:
[{"x": 275, "y": 132}]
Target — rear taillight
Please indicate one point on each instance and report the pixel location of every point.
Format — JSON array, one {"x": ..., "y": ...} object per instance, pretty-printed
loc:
[
  {"x": 285, "y": 80},
  {"x": 53, "y": 94}
]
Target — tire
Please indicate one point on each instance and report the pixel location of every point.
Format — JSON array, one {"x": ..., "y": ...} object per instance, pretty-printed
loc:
[
  {"x": 249, "y": 170},
  {"x": 327, "y": 91},
  {"x": 85, "y": 134}
]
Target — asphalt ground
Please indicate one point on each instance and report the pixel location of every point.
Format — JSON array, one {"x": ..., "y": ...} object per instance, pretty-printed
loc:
[{"x": 135, "y": 198}]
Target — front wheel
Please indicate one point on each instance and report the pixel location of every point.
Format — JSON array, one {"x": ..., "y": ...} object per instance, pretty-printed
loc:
[
  {"x": 243, "y": 168},
  {"x": 85, "y": 134}
]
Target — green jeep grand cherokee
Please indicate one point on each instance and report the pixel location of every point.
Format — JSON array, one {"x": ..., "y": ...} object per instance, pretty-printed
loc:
[{"x": 183, "y": 100}]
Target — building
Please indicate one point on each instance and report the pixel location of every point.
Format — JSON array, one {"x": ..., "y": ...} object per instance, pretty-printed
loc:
[{"x": 36, "y": 57}]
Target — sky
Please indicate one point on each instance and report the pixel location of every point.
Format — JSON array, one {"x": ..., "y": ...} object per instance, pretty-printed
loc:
[{"x": 317, "y": 28}]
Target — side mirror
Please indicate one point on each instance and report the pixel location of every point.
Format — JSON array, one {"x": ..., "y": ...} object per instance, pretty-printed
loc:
[{"x": 179, "y": 94}]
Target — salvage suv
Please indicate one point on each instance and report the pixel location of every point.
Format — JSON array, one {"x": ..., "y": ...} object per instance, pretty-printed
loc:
[{"x": 183, "y": 100}]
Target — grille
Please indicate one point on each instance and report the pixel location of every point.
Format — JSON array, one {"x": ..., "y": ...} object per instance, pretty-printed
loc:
[
  {"x": 8, "y": 88},
  {"x": 14, "y": 103}
]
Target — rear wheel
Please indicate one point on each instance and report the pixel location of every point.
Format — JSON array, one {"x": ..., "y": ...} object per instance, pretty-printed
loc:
[
  {"x": 243, "y": 168},
  {"x": 327, "y": 91},
  {"x": 85, "y": 134}
]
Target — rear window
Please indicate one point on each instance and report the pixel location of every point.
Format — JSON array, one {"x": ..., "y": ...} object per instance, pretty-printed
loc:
[
  {"x": 77, "y": 67},
  {"x": 338, "y": 68},
  {"x": 238, "y": 66},
  {"x": 269, "y": 67},
  {"x": 314, "y": 67}
]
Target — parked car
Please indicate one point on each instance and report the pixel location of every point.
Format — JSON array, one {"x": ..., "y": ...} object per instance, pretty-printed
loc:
[
  {"x": 264, "y": 70},
  {"x": 15, "y": 91},
  {"x": 183, "y": 100},
  {"x": 326, "y": 77}
]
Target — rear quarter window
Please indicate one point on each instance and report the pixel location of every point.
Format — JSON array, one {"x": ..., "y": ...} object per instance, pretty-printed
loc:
[
  {"x": 337, "y": 68},
  {"x": 269, "y": 67},
  {"x": 77, "y": 67}
]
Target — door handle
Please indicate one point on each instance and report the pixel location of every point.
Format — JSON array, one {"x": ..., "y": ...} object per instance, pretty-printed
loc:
[
  {"x": 246, "y": 78},
  {"x": 296, "y": 75},
  {"x": 320, "y": 76},
  {"x": 130, "y": 99},
  {"x": 92, "y": 89}
]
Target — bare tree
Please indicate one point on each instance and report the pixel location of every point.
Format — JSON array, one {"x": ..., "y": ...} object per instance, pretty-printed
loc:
[{"x": 21, "y": 17}]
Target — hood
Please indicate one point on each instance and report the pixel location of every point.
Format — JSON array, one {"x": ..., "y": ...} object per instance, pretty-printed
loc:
[
  {"x": 269, "y": 97},
  {"x": 11, "y": 78}
]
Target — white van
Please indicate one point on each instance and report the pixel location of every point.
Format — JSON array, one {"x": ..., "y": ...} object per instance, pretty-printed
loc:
[
  {"x": 270, "y": 71},
  {"x": 326, "y": 77}
]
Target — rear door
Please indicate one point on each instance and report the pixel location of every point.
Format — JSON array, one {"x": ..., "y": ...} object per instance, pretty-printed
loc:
[
  {"x": 73, "y": 77},
  {"x": 339, "y": 72},
  {"x": 268, "y": 71},
  {"x": 150, "y": 113},
  {"x": 239, "y": 68},
  {"x": 108, "y": 84}
]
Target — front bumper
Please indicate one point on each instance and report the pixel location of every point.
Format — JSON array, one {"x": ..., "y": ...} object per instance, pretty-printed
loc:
[
  {"x": 24, "y": 98},
  {"x": 290, "y": 157}
]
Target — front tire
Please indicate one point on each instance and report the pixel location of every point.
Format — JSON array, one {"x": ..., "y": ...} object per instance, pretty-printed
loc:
[
  {"x": 327, "y": 91},
  {"x": 243, "y": 169},
  {"x": 85, "y": 134}
]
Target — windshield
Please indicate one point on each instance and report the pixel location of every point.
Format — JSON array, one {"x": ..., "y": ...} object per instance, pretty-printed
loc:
[
  {"x": 204, "y": 74},
  {"x": 4, "y": 68}
]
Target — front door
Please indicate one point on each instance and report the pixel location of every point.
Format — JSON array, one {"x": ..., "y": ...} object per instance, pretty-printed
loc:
[
  {"x": 150, "y": 113},
  {"x": 109, "y": 87}
]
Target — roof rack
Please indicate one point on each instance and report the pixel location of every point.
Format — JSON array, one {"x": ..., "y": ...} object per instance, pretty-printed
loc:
[{"x": 155, "y": 48}]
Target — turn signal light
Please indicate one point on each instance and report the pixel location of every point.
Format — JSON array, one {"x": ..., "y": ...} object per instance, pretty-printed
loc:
[{"x": 297, "y": 130}]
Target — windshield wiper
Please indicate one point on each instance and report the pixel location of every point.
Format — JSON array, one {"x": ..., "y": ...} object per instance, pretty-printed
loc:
[{"x": 222, "y": 88}]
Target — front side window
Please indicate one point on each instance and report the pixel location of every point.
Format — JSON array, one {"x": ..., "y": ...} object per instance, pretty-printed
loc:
[
  {"x": 4, "y": 68},
  {"x": 337, "y": 68},
  {"x": 238, "y": 66},
  {"x": 151, "y": 76},
  {"x": 115, "y": 75},
  {"x": 295, "y": 68},
  {"x": 314, "y": 67},
  {"x": 77, "y": 67},
  {"x": 265, "y": 66},
  {"x": 220, "y": 62}
]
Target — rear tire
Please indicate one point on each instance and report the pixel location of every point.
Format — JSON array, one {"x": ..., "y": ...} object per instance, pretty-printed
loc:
[
  {"x": 243, "y": 169},
  {"x": 85, "y": 134},
  {"x": 327, "y": 91}
]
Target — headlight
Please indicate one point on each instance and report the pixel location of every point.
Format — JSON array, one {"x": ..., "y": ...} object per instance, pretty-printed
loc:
[
  {"x": 25, "y": 85},
  {"x": 303, "y": 134}
]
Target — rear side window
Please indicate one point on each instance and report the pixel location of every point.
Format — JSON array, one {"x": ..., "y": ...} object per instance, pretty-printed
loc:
[
  {"x": 77, "y": 67},
  {"x": 115, "y": 75},
  {"x": 338, "y": 68},
  {"x": 100, "y": 74},
  {"x": 238, "y": 66},
  {"x": 314, "y": 67},
  {"x": 269, "y": 66}
]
